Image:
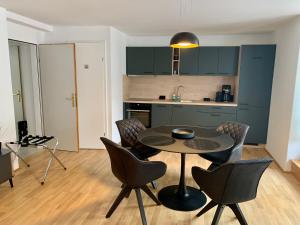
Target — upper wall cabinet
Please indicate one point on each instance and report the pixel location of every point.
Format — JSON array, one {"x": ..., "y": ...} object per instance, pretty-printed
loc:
[
  {"x": 194, "y": 61},
  {"x": 148, "y": 61},
  {"x": 139, "y": 60},
  {"x": 228, "y": 60},
  {"x": 189, "y": 61},
  {"x": 209, "y": 61},
  {"x": 162, "y": 61}
]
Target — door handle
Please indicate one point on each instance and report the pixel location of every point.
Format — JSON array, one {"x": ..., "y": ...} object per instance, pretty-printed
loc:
[
  {"x": 72, "y": 99},
  {"x": 18, "y": 94}
]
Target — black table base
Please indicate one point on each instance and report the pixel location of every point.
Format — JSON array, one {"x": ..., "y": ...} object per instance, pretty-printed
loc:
[
  {"x": 181, "y": 197},
  {"x": 192, "y": 199}
]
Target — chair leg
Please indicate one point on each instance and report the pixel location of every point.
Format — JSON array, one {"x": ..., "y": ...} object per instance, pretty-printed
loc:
[
  {"x": 11, "y": 183},
  {"x": 141, "y": 206},
  {"x": 120, "y": 197},
  {"x": 212, "y": 166},
  {"x": 218, "y": 214},
  {"x": 238, "y": 213},
  {"x": 210, "y": 205},
  {"x": 154, "y": 184},
  {"x": 150, "y": 194},
  {"x": 128, "y": 193}
]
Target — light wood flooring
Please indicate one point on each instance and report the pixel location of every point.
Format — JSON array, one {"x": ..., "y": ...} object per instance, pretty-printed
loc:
[{"x": 84, "y": 193}]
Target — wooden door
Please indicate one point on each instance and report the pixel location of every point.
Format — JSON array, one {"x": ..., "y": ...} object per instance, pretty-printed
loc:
[{"x": 58, "y": 76}]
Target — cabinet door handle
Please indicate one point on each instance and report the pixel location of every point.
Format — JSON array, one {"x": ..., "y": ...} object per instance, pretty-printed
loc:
[
  {"x": 148, "y": 72},
  {"x": 243, "y": 103},
  {"x": 216, "y": 107},
  {"x": 215, "y": 115},
  {"x": 243, "y": 109}
]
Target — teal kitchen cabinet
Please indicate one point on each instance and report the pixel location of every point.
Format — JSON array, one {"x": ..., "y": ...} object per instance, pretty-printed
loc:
[
  {"x": 183, "y": 115},
  {"x": 256, "y": 75},
  {"x": 161, "y": 114},
  {"x": 208, "y": 60},
  {"x": 204, "y": 116},
  {"x": 140, "y": 60},
  {"x": 257, "y": 119},
  {"x": 163, "y": 61},
  {"x": 255, "y": 87},
  {"x": 228, "y": 58},
  {"x": 189, "y": 61}
]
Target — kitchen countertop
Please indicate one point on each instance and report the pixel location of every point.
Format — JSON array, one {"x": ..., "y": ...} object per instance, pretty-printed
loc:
[{"x": 184, "y": 102}]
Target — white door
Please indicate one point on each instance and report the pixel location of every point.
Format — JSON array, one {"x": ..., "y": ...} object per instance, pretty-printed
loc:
[
  {"x": 16, "y": 83},
  {"x": 58, "y": 76},
  {"x": 91, "y": 93}
]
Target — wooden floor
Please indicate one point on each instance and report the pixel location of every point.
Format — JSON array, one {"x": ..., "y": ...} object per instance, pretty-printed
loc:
[{"x": 84, "y": 193}]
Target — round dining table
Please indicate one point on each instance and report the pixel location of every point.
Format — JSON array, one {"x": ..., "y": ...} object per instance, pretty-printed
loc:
[{"x": 182, "y": 197}]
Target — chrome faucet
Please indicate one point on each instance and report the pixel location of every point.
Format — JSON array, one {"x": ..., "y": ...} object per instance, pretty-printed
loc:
[{"x": 177, "y": 91}]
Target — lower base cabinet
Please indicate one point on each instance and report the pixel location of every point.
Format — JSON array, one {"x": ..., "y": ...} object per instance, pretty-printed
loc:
[
  {"x": 213, "y": 116},
  {"x": 204, "y": 116},
  {"x": 257, "y": 119},
  {"x": 161, "y": 115}
]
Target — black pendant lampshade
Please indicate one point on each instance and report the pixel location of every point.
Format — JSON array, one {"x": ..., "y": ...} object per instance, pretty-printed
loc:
[{"x": 184, "y": 40}]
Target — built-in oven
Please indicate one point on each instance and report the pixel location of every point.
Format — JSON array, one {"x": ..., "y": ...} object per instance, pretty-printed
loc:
[{"x": 140, "y": 111}]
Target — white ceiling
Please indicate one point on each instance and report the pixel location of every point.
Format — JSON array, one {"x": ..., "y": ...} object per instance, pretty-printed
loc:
[{"x": 162, "y": 17}]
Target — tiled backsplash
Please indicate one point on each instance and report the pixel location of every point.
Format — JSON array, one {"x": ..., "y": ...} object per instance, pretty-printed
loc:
[{"x": 195, "y": 88}]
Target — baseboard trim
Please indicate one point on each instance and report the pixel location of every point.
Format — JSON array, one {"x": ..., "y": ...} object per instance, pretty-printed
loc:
[{"x": 296, "y": 169}]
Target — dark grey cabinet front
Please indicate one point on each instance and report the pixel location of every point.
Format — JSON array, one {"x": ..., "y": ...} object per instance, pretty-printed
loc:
[
  {"x": 140, "y": 60},
  {"x": 189, "y": 61},
  {"x": 257, "y": 119},
  {"x": 161, "y": 115},
  {"x": 256, "y": 75},
  {"x": 162, "y": 61},
  {"x": 228, "y": 58},
  {"x": 184, "y": 115},
  {"x": 208, "y": 60}
]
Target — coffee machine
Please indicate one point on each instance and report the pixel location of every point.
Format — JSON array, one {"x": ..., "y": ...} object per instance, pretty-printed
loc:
[{"x": 224, "y": 95}]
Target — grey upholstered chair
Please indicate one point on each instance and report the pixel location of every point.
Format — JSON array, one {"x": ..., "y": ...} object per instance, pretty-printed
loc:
[
  {"x": 133, "y": 173},
  {"x": 129, "y": 130},
  {"x": 229, "y": 185},
  {"x": 238, "y": 132}
]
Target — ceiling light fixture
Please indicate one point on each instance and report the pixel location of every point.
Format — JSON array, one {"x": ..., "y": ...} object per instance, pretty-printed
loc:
[{"x": 184, "y": 39}]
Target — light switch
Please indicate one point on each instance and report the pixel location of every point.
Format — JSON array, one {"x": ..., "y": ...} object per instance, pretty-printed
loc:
[{"x": 86, "y": 66}]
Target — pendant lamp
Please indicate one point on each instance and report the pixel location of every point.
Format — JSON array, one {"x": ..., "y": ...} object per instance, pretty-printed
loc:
[{"x": 184, "y": 40}]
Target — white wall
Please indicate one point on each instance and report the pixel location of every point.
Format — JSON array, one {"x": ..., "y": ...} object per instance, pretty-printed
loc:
[
  {"x": 7, "y": 120},
  {"x": 205, "y": 40},
  {"x": 71, "y": 34},
  {"x": 24, "y": 33},
  {"x": 118, "y": 68},
  {"x": 283, "y": 136}
]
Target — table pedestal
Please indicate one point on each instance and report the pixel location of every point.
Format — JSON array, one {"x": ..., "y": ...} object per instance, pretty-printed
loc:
[{"x": 181, "y": 197}]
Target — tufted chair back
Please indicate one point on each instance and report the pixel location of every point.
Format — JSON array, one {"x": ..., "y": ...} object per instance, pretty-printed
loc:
[
  {"x": 129, "y": 130},
  {"x": 237, "y": 132}
]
